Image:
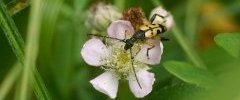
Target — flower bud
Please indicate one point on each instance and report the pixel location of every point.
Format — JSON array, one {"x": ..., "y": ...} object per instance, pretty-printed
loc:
[
  {"x": 164, "y": 17},
  {"x": 101, "y": 15}
]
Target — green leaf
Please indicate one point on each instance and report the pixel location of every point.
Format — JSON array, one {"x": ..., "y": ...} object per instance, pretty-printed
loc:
[
  {"x": 179, "y": 91},
  {"x": 229, "y": 42},
  {"x": 189, "y": 73}
]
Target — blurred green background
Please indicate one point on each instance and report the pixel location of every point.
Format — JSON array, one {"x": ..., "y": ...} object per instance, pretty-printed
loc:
[{"x": 66, "y": 76}]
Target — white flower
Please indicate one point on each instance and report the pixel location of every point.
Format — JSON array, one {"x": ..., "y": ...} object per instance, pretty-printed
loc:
[
  {"x": 101, "y": 15},
  {"x": 117, "y": 62}
]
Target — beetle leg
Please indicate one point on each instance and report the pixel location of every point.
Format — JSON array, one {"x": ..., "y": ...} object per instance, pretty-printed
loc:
[
  {"x": 125, "y": 35},
  {"x": 137, "y": 51},
  {"x": 151, "y": 47}
]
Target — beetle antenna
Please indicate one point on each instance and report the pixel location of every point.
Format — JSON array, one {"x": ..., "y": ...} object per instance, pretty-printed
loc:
[
  {"x": 134, "y": 71},
  {"x": 122, "y": 40}
]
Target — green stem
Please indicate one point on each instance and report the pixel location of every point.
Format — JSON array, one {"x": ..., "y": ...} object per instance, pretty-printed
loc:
[
  {"x": 31, "y": 46},
  {"x": 191, "y": 19},
  {"x": 192, "y": 55},
  {"x": 9, "y": 80}
]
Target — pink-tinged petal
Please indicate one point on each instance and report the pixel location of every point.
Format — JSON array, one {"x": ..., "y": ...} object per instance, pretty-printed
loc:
[
  {"x": 118, "y": 28},
  {"x": 106, "y": 83},
  {"x": 154, "y": 53},
  {"x": 146, "y": 80},
  {"x": 94, "y": 51}
]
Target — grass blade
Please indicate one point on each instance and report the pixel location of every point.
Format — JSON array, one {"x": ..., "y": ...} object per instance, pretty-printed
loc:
[
  {"x": 9, "y": 80},
  {"x": 17, "y": 44},
  {"x": 31, "y": 46},
  {"x": 11, "y": 32}
]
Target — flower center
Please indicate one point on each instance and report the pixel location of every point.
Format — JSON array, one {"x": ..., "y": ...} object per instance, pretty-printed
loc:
[
  {"x": 120, "y": 62},
  {"x": 123, "y": 58}
]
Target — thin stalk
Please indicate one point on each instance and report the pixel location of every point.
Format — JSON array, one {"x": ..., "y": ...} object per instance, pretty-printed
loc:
[
  {"x": 188, "y": 49},
  {"x": 9, "y": 80},
  {"x": 31, "y": 46},
  {"x": 191, "y": 19}
]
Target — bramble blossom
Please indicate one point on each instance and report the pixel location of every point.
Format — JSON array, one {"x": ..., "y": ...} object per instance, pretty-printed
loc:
[{"x": 116, "y": 61}]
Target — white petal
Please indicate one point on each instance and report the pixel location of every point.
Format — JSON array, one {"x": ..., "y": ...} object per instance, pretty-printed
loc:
[
  {"x": 146, "y": 80},
  {"x": 94, "y": 51},
  {"x": 154, "y": 53},
  {"x": 118, "y": 28},
  {"x": 106, "y": 83},
  {"x": 168, "y": 16}
]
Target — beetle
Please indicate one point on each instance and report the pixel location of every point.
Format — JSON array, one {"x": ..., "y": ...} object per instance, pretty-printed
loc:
[{"x": 146, "y": 32}]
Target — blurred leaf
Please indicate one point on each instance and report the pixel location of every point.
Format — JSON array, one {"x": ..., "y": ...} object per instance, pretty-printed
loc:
[
  {"x": 229, "y": 42},
  {"x": 179, "y": 91},
  {"x": 189, "y": 74}
]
